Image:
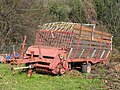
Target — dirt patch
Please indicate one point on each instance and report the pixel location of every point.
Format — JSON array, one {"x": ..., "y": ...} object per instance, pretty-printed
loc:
[
  {"x": 73, "y": 73},
  {"x": 109, "y": 73},
  {"x": 117, "y": 67}
]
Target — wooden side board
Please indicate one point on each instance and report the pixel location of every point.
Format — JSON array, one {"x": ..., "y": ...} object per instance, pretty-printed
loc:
[
  {"x": 77, "y": 27},
  {"x": 96, "y": 35}
]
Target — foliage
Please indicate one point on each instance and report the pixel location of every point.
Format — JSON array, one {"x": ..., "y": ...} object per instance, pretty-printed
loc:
[
  {"x": 108, "y": 12},
  {"x": 19, "y": 18},
  {"x": 58, "y": 12},
  {"x": 22, "y": 17},
  {"x": 77, "y": 13}
]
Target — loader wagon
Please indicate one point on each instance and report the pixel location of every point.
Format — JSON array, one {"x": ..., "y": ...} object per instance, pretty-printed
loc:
[{"x": 62, "y": 46}]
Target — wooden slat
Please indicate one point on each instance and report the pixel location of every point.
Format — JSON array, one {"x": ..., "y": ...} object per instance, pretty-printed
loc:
[
  {"x": 99, "y": 40},
  {"x": 96, "y": 39},
  {"x": 87, "y": 46},
  {"x": 90, "y": 30}
]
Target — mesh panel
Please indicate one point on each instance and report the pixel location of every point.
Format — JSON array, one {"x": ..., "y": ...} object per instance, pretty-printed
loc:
[{"x": 54, "y": 39}]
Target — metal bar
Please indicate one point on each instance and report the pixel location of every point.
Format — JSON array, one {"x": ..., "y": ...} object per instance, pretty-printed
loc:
[
  {"x": 78, "y": 44},
  {"x": 63, "y": 41},
  {"x": 71, "y": 39},
  {"x": 36, "y": 38},
  {"x": 40, "y": 65},
  {"x": 109, "y": 46},
  {"x": 22, "y": 67},
  {"x": 14, "y": 50},
  {"x": 23, "y": 45},
  {"x": 108, "y": 54},
  {"x": 69, "y": 54},
  {"x": 51, "y": 27},
  {"x": 40, "y": 56},
  {"x": 82, "y": 53},
  {"x": 93, "y": 53},
  {"x": 100, "y": 46},
  {"x": 90, "y": 44},
  {"x": 111, "y": 42},
  {"x": 102, "y": 54}
]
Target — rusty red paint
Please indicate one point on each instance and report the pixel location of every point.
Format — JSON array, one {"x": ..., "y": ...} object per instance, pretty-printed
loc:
[{"x": 45, "y": 54}]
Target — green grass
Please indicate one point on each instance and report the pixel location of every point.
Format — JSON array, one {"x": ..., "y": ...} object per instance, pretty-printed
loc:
[{"x": 19, "y": 81}]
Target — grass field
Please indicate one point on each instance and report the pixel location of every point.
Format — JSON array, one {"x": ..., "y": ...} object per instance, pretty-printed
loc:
[{"x": 19, "y": 81}]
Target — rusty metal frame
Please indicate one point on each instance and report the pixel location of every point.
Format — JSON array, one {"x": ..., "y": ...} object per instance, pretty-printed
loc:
[{"x": 60, "y": 42}]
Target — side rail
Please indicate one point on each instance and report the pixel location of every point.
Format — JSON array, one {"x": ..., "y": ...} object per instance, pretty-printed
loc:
[{"x": 90, "y": 43}]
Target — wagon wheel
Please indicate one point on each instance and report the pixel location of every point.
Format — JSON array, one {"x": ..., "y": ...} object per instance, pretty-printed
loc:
[
  {"x": 64, "y": 68},
  {"x": 30, "y": 72},
  {"x": 56, "y": 70},
  {"x": 61, "y": 68},
  {"x": 86, "y": 68}
]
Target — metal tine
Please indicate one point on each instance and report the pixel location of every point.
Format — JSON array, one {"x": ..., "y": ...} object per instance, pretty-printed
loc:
[
  {"x": 93, "y": 53},
  {"x": 70, "y": 27},
  {"x": 67, "y": 26},
  {"x": 102, "y": 54},
  {"x": 61, "y": 26},
  {"x": 52, "y": 25},
  {"x": 54, "y": 28},
  {"x": 46, "y": 26},
  {"x": 81, "y": 53},
  {"x": 49, "y": 27},
  {"x": 108, "y": 54},
  {"x": 57, "y": 27},
  {"x": 70, "y": 52}
]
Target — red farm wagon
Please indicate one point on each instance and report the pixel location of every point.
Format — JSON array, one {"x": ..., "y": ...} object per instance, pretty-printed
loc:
[{"x": 61, "y": 46}]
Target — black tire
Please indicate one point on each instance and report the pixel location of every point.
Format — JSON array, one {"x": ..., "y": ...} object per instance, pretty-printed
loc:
[{"x": 85, "y": 68}]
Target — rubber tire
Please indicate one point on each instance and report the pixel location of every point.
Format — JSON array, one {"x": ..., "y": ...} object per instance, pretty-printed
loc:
[{"x": 84, "y": 68}]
